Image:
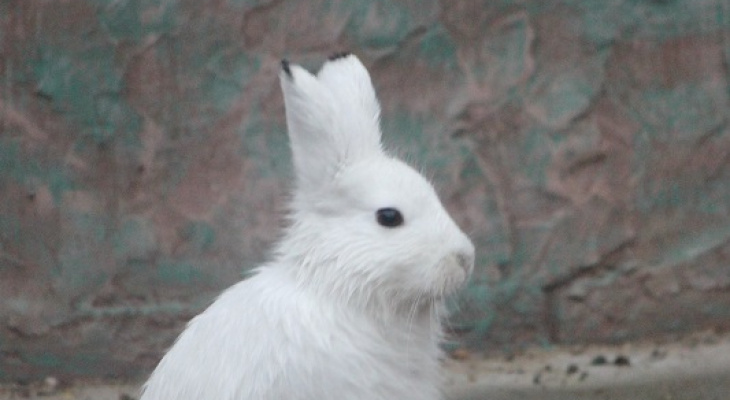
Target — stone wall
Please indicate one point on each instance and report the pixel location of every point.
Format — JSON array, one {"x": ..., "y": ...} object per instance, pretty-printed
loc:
[{"x": 584, "y": 144}]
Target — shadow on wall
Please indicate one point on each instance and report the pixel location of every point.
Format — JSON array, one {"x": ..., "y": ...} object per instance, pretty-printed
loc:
[{"x": 143, "y": 162}]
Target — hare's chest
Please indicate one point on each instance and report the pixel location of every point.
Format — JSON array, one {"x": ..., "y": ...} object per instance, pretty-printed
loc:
[
  {"x": 344, "y": 373},
  {"x": 356, "y": 361},
  {"x": 301, "y": 348}
]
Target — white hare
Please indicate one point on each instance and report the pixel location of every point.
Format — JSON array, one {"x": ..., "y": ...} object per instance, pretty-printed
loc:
[{"x": 349, "y": 306}]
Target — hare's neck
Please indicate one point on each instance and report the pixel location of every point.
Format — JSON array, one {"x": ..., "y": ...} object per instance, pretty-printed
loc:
[{"x": 340, "y": 284}]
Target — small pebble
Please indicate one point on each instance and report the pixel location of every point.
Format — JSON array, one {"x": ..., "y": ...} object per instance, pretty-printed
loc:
[
  {"x": 572, "y": 368},
  {"x": 658, "y": 354},
  {"x": 460, "y": 354},
  {"x": 599, "y": 360},
  {"x": 51, "y": 382},
  {"x": 49, "y": 386},
  {"x": 622, "y": 361}
]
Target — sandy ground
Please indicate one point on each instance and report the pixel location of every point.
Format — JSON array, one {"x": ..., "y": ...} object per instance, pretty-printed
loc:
[{"x": 696, "y": 368}]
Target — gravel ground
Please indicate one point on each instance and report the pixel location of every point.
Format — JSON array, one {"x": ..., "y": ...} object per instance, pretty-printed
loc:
[{"x": 696, "y": 368}]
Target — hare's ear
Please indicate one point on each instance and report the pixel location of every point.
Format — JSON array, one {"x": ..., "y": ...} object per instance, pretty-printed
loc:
[
  {"x": 358, "y": 108},
  {"x": 312, "y": 126},
  {"x": 333, "y": 119}
]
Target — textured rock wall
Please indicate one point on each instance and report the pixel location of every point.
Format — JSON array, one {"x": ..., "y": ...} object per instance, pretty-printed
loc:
[{"x": 584, "y": 144}]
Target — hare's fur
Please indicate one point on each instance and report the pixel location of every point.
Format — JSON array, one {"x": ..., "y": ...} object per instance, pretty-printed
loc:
[{"x": 347, "y": 308}]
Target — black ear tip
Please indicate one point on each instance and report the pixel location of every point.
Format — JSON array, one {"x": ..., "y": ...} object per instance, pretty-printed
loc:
[
  {"x": 285, "y": 67},
  {"x": 339, "y": 55}
]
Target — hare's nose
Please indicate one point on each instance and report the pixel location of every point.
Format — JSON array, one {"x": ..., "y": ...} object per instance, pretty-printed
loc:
[{"x": 465, "y": 261}]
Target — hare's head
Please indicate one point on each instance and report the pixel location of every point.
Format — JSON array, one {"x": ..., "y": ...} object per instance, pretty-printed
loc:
[{"x": 366, "y": 227}]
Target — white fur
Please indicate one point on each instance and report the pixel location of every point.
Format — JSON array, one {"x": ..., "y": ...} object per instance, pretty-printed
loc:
[{"x": 347, "y": 309}]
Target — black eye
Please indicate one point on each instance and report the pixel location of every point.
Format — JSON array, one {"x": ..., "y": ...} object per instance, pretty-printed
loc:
[{"x": 389, "y": 217}]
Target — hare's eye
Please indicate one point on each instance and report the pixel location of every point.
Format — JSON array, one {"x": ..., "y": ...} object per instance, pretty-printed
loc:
[{"x": 389, "y": 217}]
